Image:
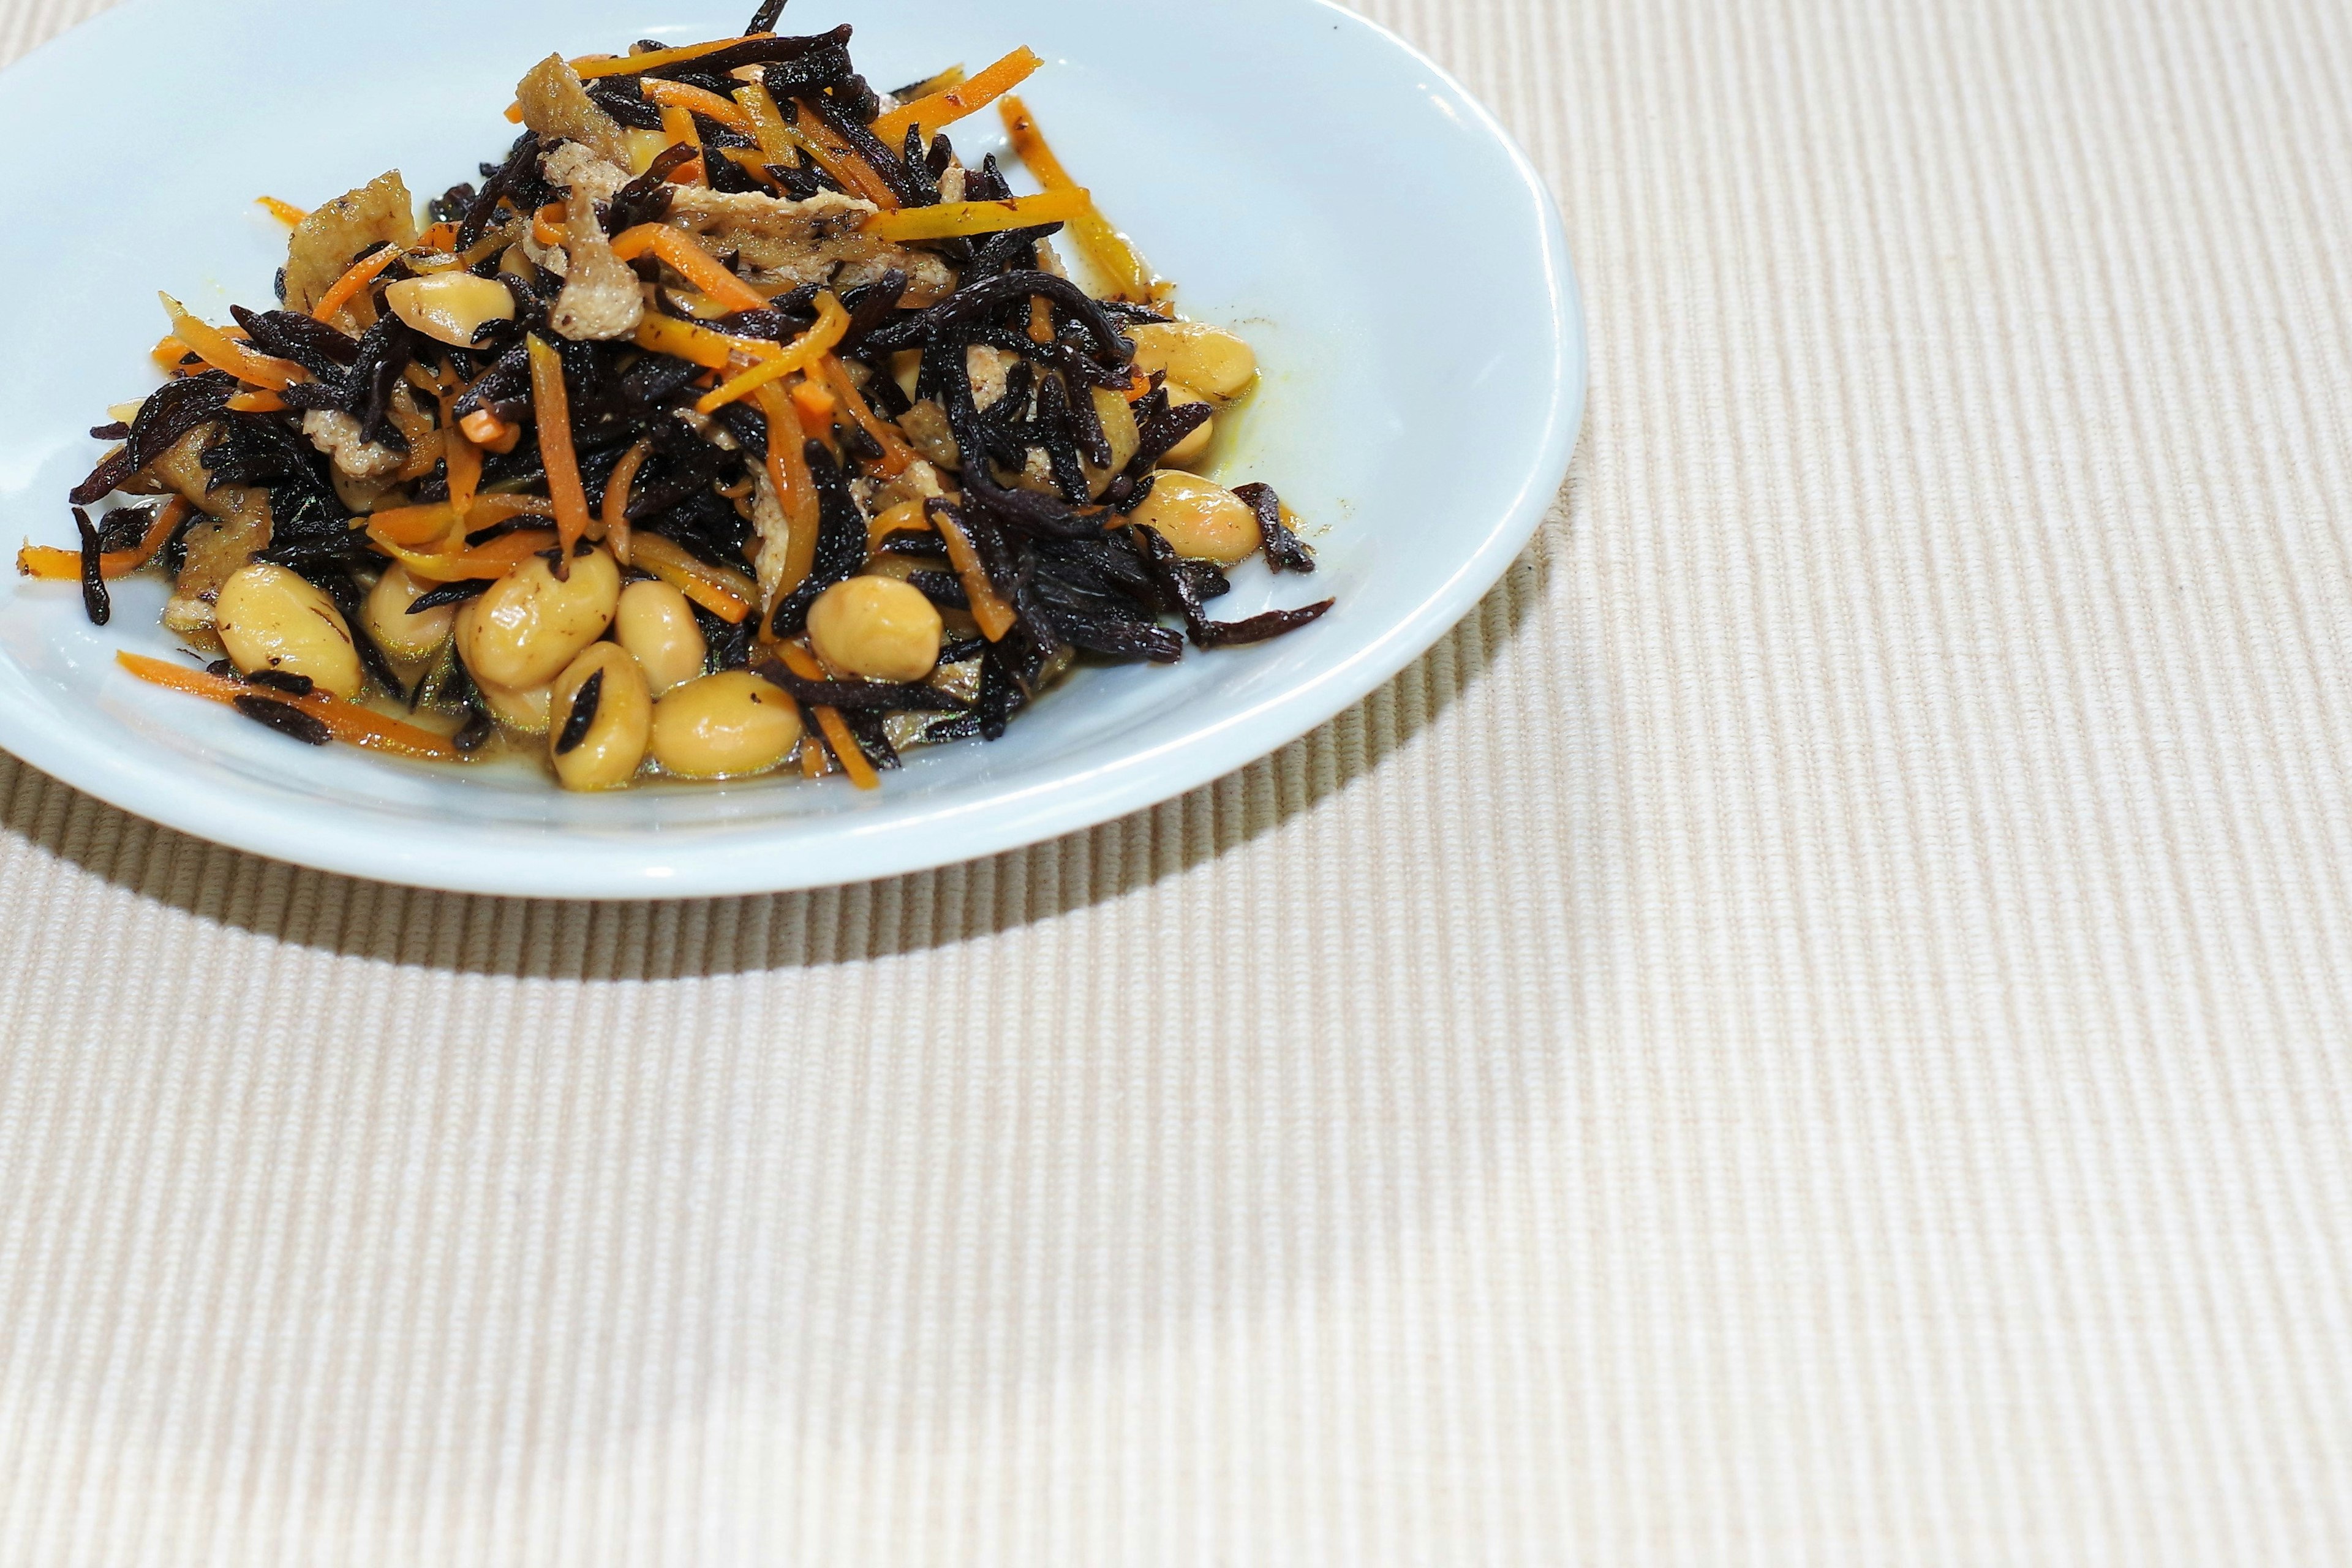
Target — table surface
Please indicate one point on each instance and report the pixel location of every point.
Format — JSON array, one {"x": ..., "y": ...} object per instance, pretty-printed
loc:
[{"x": 1810, "y": 1029}]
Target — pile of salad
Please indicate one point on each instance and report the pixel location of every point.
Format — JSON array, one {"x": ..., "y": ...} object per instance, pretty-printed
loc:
[{"x": 729, "y": 423}]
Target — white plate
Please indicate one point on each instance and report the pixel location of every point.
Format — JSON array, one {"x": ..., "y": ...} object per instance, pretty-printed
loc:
[{"x": 1306, "y": 176}]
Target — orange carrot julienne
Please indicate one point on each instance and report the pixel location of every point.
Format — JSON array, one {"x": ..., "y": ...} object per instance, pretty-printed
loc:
[
  {"x": 814, "y": 142},
  {"x": 347, "y": 287},
  {"x": 678, "y": 126},
  {"x": 696, "y": 101},
  {"x": 589, "y": 67},
  {"x": 464, "y": 459},
  {"x": 994, "y": 616},
  {"x": 678, "y": 250},
  {"x": 1097, "y": 235},
  {"x": 698, "y": 345},
  {"x": 553, "y": 405},
  {"x": 729, "y": 596},
  {"x": 788, "y": 471},
  {"x": 845, "y": 749},
  {"x": 942, "y": 110},
  {"x": 616, "y": 499},
  {"x": 286, "y": 213},
  {"x": 220, "y": 350},
  {"x": 832, "y": 326},
  {"x": 55, "y": 566},
  {"x": 346, "y": 721},
  {"x": 897, "y": 456}
]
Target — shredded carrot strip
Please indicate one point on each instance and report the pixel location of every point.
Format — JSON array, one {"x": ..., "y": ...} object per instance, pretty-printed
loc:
[
  {"x": 951, "y": 219},
  {"x": 1110, "y": 250},
  {"x": 617, "y": 499},
  {"x": 169, "y": 353},
  {"x": 942, "y": 110},
  {"x": 845, "y": 749},
  {"x": 690, "y": 261},
  {"x": 698, "y": 345},
  {"x": 767, "y": 122},
  {"x": 65, "y": 565},
  {"x": 837, "y": 158},
  {"x": 346, "y": 721},
  {"x": 678, "y": 128},
  {"x": 811, "y": 755},
  {"x": 256, "y": 403},
  {"x": 496, "y": 559},
  {"x": 897, "y": 456},
  {"x": 424, "y": 455},
  {"x": 788, "y": 470},
  {"x": 907, "y": 517},
  {"x": 729, "y": 596},
  {"x": 464, "y": 459},
  {"x": 547, "y": 226},
  {"x": 698, "y": 101},
  {"x": 440, "y": 237},
  {"x": 286, "y": 213},
  {"x": 412, "y": 525},
  {"x": 349, "y": 285},
  {"x": 832, "y": 326},
  {"x": 220, "y": 350},
  {"x": 589, "y": 67},
  {"x": 994, "y": 616},
  {"x": 553, "y": 405}
]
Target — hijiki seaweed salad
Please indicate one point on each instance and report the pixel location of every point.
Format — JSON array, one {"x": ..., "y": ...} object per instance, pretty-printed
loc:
[{"x": 729, "y": 423}]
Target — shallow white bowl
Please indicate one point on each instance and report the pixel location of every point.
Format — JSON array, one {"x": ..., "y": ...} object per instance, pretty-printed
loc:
[{"x": 1307, "y": 177}]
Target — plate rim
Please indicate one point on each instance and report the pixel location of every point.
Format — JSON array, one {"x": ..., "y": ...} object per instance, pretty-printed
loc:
[{"x": 729, "y": 864}]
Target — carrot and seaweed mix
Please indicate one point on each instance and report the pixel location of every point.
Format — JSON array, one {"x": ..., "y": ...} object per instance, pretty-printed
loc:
[{"x": 729, "y": 359}]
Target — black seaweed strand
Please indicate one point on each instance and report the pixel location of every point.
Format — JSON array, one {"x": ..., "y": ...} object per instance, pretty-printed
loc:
[
  {"x": 1283, "y": 551},
  {"x": 284, "y": 718},
  {"x": 582, "y": 718},
  {"x": 94, "y": 602}
]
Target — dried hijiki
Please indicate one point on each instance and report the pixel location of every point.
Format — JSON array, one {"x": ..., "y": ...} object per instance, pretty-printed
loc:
[{"x": 728, "y": 422}]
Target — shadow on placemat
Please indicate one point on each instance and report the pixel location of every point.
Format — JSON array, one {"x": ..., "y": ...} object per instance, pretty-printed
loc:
[{"x": 537, "y": 939}]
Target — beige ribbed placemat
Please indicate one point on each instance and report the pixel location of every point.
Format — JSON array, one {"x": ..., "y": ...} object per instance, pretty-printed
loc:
[{"x": 1810, "y": 1030}]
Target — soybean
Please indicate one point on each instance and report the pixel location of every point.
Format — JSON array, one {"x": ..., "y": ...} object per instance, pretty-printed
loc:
[
  {"x": 1209, "y": 360},
  {"x": 270, "y": 619},
  {"x": 657, "y": 625},
  {"x": 1203, "y": 522},
  {"x": 397, "y": 632},
  {"x": 877, "y": 627},
  {"x": 531, "y": 623},
  {"x": 600, "y": 748},
  {"x": 725, "y": 726}
]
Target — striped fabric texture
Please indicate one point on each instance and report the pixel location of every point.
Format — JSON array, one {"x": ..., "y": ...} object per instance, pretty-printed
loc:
[{"x": 1811, "y": 1029}]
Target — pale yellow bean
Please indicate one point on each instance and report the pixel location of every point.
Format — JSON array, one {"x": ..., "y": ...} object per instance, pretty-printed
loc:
[
  {"x": 270, "y": 619},
  {"x": 878, "y": 628},
  {"x": 450, "y": 307},
  {"x": 398, "y": 633},
  {"x": 1204, "y": 522},
  {"x": 530, "y": 624},
  {"x": 1209, "y": 360},
  {"x": 1193, "y": 449},
  {"x": 608, "y": 752},
  {"x": 524, "y": 711},
  {"x": 656, "y": 624},
  {"x": 725, "y": 726}
]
